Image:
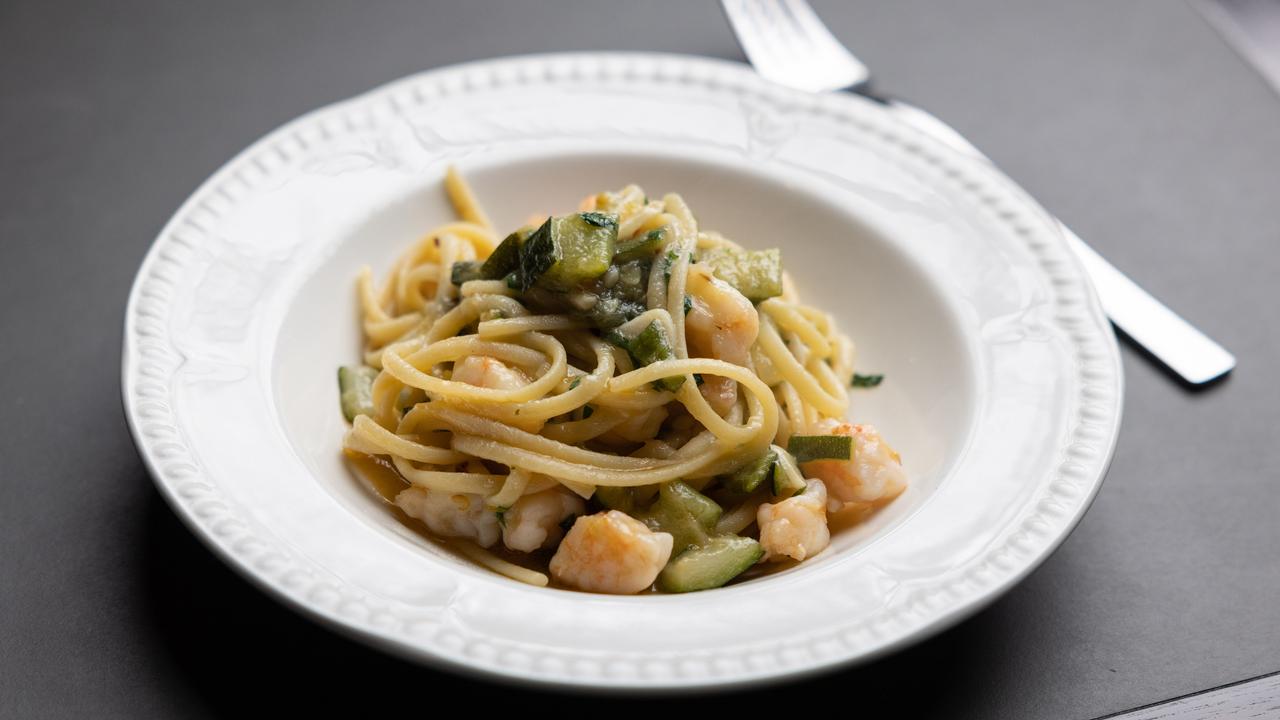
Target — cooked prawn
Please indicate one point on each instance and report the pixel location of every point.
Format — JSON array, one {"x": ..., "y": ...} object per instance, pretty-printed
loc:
[
  {"x": 487, "y": 372},
  {"x": 533, "y": 521},
  {"x": 484, "y": 371},
  {"x": 874, "y": 475},
  {"x": 460, "y": 515},
  {"x": 721, "y": 322},
  {"x": 795, "y": 528},
  {"x": 610, "y": 552}
]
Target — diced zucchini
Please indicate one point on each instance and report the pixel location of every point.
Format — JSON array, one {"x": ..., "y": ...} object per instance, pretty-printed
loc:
[
  {"x": 750, "y": 476},
  {"x": 787, "y": 479},
  {"x": 623, "y": 297},
  {"x": 820, "y": 447},
  {"x": 616, "y": 498},
  {"x": 650, "y": 346},
  {"x": 675, "y": 518},
  {"x": 568, "y": 250},
  {"x": 606, "y": 302},
  {"x": 613, "y": 309},
  {"x": 710, "y": 566},
  {"x": 757, "y": 274},
  {"x": 643, "y": 247},
  {"x": 599, "y": 219},
  {"x": 585, "y": 242},
  {"x": 355, "y": 387},
  {"x": 505, "y": 258},
  {"x": 687, "y": 514},
  {"x": 466, "y": 270},
  {"x": 537, "y": 255},
  {"x": 704, "y": 509}
]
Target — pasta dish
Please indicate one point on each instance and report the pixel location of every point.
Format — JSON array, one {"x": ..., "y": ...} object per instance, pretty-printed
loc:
[{"x": 614, "y": 399}]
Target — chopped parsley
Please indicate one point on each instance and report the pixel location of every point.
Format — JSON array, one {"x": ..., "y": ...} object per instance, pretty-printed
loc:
[
  {"x": 502, "y": 515},
  {"x": 688, "y": 304},
  {"x": 576, "y": 382},
  {"x": 668, "y": 261},
  {"x": 867, "y": 381}
]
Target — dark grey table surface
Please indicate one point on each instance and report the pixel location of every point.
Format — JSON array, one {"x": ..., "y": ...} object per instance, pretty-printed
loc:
[{"x": 1133, "y": 121}]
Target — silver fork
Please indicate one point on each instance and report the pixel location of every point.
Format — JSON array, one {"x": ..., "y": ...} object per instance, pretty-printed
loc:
[{"x": 788, "y": 44}]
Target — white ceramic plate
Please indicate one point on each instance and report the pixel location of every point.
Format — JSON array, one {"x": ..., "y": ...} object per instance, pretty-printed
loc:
[{"x": 1003, "y": 392}]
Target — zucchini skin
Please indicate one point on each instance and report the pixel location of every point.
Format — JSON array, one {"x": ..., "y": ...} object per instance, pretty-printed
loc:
[
  {"x": 616, "y": 498},
  {"x": 705, "y": 510},
  {"x": 646, "y": 246},
  {"x": 537, "y": 255},
  {"x": 567, "y": 251},
  {"x": 710, "y": 566},
  {"x": 757, "y": 274},
  {"x": 355, "y": 388},
  {"x": 752, "y": 475},
  {"x": 584, "y": 248},
  {"x": 504, "y": 258},
  {"x": 785, "y": 484},
  {"x": 701, "y": 558},
  {"x": 649, "y": 346},
  {"x": 806, "y": 448},
  {"x": 688, "y": 515}
]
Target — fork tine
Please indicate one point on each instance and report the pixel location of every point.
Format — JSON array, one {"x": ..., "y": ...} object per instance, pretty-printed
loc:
[{"x": 787, "y": 43}]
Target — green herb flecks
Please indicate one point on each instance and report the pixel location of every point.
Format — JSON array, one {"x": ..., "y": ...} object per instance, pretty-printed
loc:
[
  {"x": 867, "y": 381},
  {"x": 667, "y": 262}
]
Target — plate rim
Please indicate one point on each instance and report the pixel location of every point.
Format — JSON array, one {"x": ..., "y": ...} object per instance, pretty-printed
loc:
[{"x": 666, "y": 67}]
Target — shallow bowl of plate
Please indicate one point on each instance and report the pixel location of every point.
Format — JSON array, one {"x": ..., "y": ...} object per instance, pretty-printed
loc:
[{"x": 1003, "y": 384}]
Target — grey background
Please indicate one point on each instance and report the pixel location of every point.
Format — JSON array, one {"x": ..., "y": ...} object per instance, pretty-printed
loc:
[{"x": 1132, "y": 120}]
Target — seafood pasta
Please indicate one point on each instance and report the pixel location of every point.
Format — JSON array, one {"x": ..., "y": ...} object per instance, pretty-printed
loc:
[{"x": 615, "y": 399}]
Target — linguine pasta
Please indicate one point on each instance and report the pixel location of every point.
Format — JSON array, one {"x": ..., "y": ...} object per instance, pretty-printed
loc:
[{"x": 618, "y": 389}]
